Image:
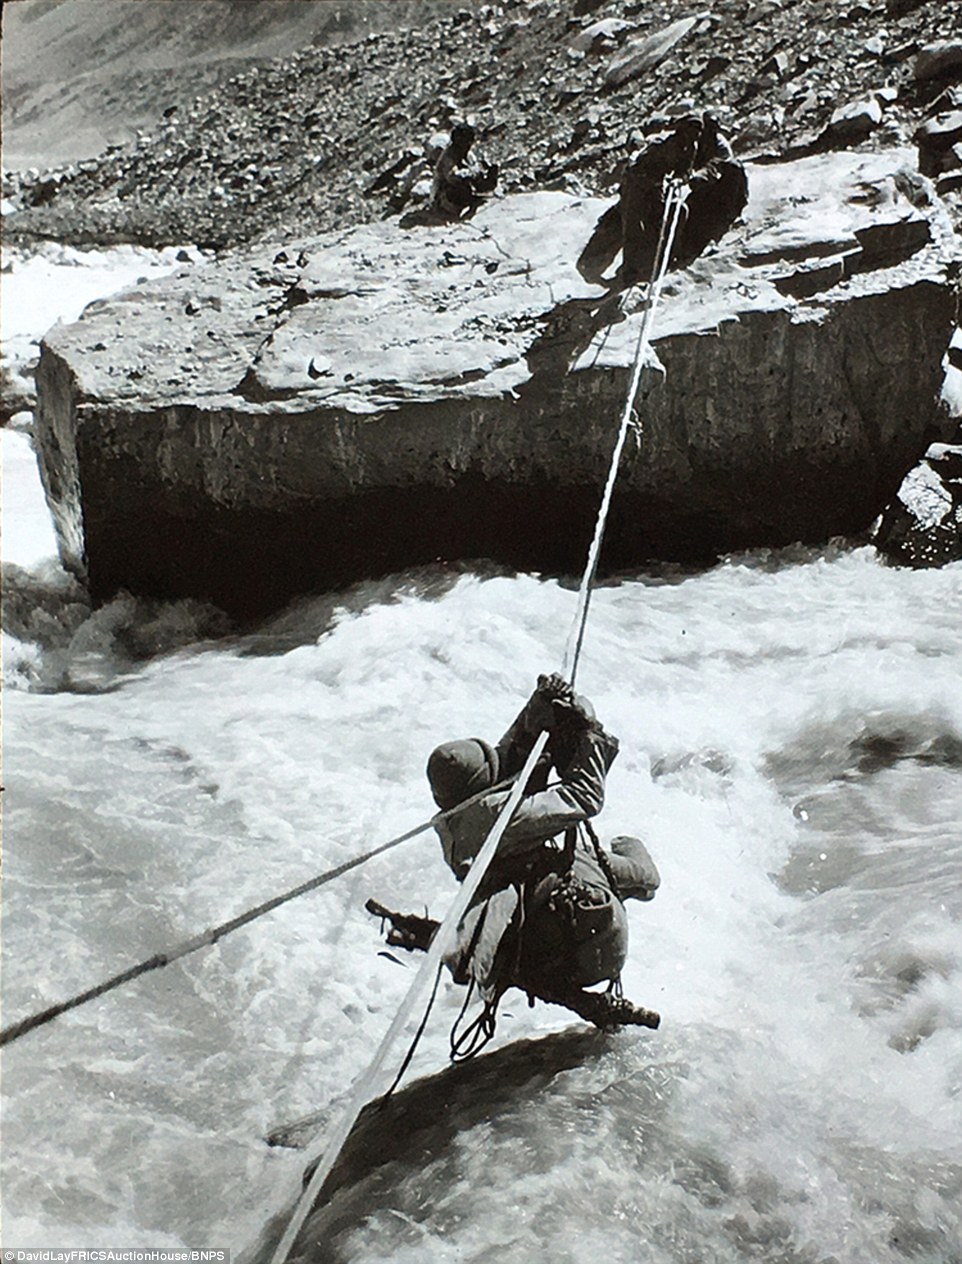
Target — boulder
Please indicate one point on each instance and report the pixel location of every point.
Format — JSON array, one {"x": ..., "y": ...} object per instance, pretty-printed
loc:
[
  {"x": 938, "y": 139},
  {"x": 923, "y": 525},
  {"x": 853, "y": 122},
  {"x": 600, "y": 35},
  {"x": 366, "y": 401},
  {"x": 943, "y": 58},
  {"x": 644, "y": 52}
]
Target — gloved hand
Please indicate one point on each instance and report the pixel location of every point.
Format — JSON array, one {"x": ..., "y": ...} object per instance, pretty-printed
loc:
[
  {"x": 554, "y": 687},
  {"x": 570, "y": 717},
  {"x": 554, "y": 706}
]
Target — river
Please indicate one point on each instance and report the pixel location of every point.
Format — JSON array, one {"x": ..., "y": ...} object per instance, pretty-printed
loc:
[{"x": 791, "y": 730}]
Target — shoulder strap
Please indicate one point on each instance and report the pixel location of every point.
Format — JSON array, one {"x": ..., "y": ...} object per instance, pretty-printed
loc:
[
  {"x": 602, "y": 858},
  {"x": 567, "y": 857}
]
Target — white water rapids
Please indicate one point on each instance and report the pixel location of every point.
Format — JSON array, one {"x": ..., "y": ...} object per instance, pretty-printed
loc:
[{"x": 791, "y": 730}]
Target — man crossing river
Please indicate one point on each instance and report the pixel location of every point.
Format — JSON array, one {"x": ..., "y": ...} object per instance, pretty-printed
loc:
[{"x": 549, "y": 915}]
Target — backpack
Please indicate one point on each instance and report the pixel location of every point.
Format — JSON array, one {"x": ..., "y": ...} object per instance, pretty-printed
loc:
[
  {"x": 575, "y": 932},
  {"x": 553, "y": 934}
]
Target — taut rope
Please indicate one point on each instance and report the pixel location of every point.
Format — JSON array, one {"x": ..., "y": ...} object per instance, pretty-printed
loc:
[
  {"x": 365, "y": 1084},
  {"x": 214, "y": 933},
  {"x": 666, "y": 238}
]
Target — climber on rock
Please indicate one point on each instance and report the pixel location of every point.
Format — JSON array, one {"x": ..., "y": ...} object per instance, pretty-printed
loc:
[
  {"x": 549, "y": 916},
  {"x": 459, "y": 186},
  {"x": 692, "y": 153}
]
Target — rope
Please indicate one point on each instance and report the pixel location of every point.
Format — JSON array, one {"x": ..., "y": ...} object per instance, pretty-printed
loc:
[
  {"x": 417, "y": 1038},
  {"x": 479, "y": 1030},
  {"x": 365, "y": 1084},
  {"x": 476, "y": 1035},
  {"x": 214, "y": 933},
  {"x": 602, "y": 859},
  {"x": 666, "y": 237}
]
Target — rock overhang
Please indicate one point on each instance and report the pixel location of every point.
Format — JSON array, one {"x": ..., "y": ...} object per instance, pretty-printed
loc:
[{"x": 306, "y": 380}]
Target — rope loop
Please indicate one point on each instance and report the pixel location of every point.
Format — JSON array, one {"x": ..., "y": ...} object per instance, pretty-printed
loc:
[{"x": 478, "y": 1033}]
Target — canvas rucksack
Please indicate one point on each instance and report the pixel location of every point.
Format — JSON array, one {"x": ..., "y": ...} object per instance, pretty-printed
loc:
[{"x": 575, "y": 932}]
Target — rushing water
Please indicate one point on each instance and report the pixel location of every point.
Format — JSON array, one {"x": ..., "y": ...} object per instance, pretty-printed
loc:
[
  {"x": 792, "y": 750},
  {"x": 791, "y": 732}
]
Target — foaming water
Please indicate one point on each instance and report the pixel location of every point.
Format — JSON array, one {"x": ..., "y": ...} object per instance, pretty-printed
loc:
[
  {"x": 791, "y": 729},
  {"x": 54, "y": 641}
]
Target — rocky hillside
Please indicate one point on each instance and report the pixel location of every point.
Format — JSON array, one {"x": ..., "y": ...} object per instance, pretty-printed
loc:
[
  {"x": 79, "y": 75},
  {"x": 334, "y": 136}
]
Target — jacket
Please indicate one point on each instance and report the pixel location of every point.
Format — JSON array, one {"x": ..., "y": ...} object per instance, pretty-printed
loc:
[{"x": 544, "y": 813}]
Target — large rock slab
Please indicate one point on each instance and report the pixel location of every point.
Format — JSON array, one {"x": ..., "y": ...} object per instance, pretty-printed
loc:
[
  {"x": 644, "y": 52},
  {"x": 305, "y": 413}
]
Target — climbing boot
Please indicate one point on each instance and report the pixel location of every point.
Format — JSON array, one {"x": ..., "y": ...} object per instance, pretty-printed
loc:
[{"x": 605, "y": 1010}]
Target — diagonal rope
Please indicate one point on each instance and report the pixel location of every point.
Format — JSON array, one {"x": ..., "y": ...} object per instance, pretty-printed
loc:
[
  {"x": 214, "y": 933},
  {"x": 666, "y": 237},
  {"x": 365, "y": 1085}
]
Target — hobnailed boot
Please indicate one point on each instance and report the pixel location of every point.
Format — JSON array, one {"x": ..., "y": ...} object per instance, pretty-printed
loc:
[{"x": 605, "y": 1010}]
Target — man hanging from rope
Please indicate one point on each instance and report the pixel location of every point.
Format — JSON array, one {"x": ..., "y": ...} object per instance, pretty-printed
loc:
[{"x": 549, "y": 917}]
